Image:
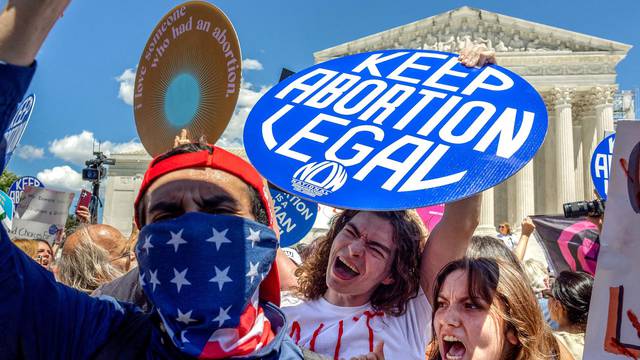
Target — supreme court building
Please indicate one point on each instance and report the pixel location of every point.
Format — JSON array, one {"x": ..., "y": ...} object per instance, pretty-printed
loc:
[{"x": 575, "y": 74}]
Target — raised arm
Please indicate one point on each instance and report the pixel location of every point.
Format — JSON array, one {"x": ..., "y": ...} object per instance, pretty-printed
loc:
[
  {"x": 527, "y": 227},
  {"x": 449, "y": 239},
  {"x": 40, "y": 318},
  {"x": 24, "y": 24}
]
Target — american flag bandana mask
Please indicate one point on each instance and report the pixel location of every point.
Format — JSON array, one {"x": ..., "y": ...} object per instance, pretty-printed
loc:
[{"x": 202, "y": 273}]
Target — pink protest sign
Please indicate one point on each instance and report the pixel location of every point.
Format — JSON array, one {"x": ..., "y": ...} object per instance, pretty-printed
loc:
[{"x": 431, "y": 215}]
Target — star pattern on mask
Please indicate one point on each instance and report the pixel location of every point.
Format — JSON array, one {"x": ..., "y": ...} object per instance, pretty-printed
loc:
[
  {"x": 254, "y": 237},
  {"x": 223, "y": 316},
  {"x": 253, "y": 270},
  {"x": 221, "y": 277},
  {"x": 154, "y": 279},
  {"x": 180, "y": 278},
  {"x": 185, "y": 318},
  {"x": 183, "y": 337},
  {"x": 147, "y": 243},
  {"x": 201, "y": 274},
  {"x": 176, "y": 240},
  {"x": 219, "y": 238}
]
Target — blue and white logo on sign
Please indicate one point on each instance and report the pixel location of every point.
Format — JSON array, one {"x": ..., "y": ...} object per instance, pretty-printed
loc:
[
  {"x": 317, "y": 179},
  {"x": 295, "y": 216},
  {"x": 18, "y": 125},
  {"x": 18, "y": 186},
  {"x": 394, "y": 129},
  {"x": 601, "y": 165}
]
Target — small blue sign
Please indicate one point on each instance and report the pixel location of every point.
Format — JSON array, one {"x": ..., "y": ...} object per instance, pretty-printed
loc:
[
  {"x": 394, "y": 129},
  {"x": 18, "y": 125},
  {"x": 53, "y": 229},
  {"x": 7, "y": 210},
  {"x": 601, "y": 165},
  {"x": 295, "y": 216},
  {"x": 18, "y": 186}
]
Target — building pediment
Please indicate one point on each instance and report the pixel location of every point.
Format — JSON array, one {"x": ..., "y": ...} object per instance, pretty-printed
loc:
[{"x": 454, "y": 30}]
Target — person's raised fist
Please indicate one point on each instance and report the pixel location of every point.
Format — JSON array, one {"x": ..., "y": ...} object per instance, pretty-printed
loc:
[{"x": 527, "y": 227}]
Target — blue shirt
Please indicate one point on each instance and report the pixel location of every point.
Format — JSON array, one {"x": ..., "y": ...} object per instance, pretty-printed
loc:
[{"x": 43, "y": 319}]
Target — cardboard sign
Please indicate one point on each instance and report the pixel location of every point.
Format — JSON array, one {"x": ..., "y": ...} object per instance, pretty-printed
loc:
[
  {"x": 188, "y": 77},
  {"x": 295, "y": 216},
  {"x": 613, "y": 329},
  {"x": 41, "y": 214},
  {"x": 18, "y": 186},
  {"x": 18, "y": 125},
  {"x": 600, "y": 165},
  {"x": 394, "y": 129},
  {"x": 431, "y": 215},
  {"x": 6, "y": 210}
]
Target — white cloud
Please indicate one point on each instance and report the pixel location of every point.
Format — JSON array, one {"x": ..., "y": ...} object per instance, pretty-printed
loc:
[
  {"x": 28, "y": 152},
  {"x": 127, "y": 80},
  {"x": 79, "y": 147},
  {"x": 251, "y": 64},
  {"x": 61, "y": 177},
  {"x": 249, "y": 96}
]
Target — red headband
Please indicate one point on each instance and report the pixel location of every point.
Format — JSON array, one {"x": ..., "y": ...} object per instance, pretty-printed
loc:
[{"x": 222, "y": 160}]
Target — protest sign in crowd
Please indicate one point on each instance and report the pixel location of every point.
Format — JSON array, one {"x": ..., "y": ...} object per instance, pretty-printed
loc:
[{"x": 401, "y": 142}]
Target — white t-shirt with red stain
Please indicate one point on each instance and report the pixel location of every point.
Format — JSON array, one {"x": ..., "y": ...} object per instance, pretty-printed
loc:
[{"x": 344, "y": 332}]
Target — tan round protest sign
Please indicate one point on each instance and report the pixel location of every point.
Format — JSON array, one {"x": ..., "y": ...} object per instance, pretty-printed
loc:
[{"x": 188, "y": 77}]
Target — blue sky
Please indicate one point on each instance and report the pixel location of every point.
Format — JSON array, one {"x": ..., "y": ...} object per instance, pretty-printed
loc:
[{"x": 86, "y": 57}]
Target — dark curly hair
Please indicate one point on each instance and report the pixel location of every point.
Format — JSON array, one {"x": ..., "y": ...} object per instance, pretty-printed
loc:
[{"x": 409, "y": 235}]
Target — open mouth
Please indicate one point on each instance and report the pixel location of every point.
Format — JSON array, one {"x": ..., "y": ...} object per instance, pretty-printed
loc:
[
  {"x": 454, "y": 349},
  {"x": 345, "y": 271}
]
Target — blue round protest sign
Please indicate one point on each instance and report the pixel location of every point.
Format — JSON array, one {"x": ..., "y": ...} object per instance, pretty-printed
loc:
[
  {"x": 18, "y": 186},
  {"x": 295, "y": 216},
  {"x": 601, "y": 165},
  {"x": 18, "y": 125},
  {"x": 394, "y": 129}
]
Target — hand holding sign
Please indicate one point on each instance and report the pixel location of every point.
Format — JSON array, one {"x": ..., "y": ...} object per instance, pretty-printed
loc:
[
  {"x": 181, "y": 139},
  {"x": 394, "y": 129},
  {"x": 477, "y": 56}
]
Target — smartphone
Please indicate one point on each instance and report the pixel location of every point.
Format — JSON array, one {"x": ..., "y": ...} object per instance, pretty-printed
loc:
[{"x": 85, "y": 199}]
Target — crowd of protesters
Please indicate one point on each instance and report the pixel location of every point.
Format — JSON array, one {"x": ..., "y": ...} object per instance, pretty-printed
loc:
[{"x": 204, "y": 277}]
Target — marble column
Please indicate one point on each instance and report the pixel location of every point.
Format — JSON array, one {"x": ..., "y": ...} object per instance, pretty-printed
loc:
[
  {"x": 578, "y": 160},
  {"x": 549, "y": 190},
  {"x": 524, "y": 200},
  {"x": 589, "y": 143},
  {"x": 603, "y": 100},
  {"x": 487, "y": 221},
  {"x": 565, "y": 176}
]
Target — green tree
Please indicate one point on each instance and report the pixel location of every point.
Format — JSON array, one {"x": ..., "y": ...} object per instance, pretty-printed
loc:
[
  {"x": 6, "y": 179},
  {"x": 72, "y": 224}
]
